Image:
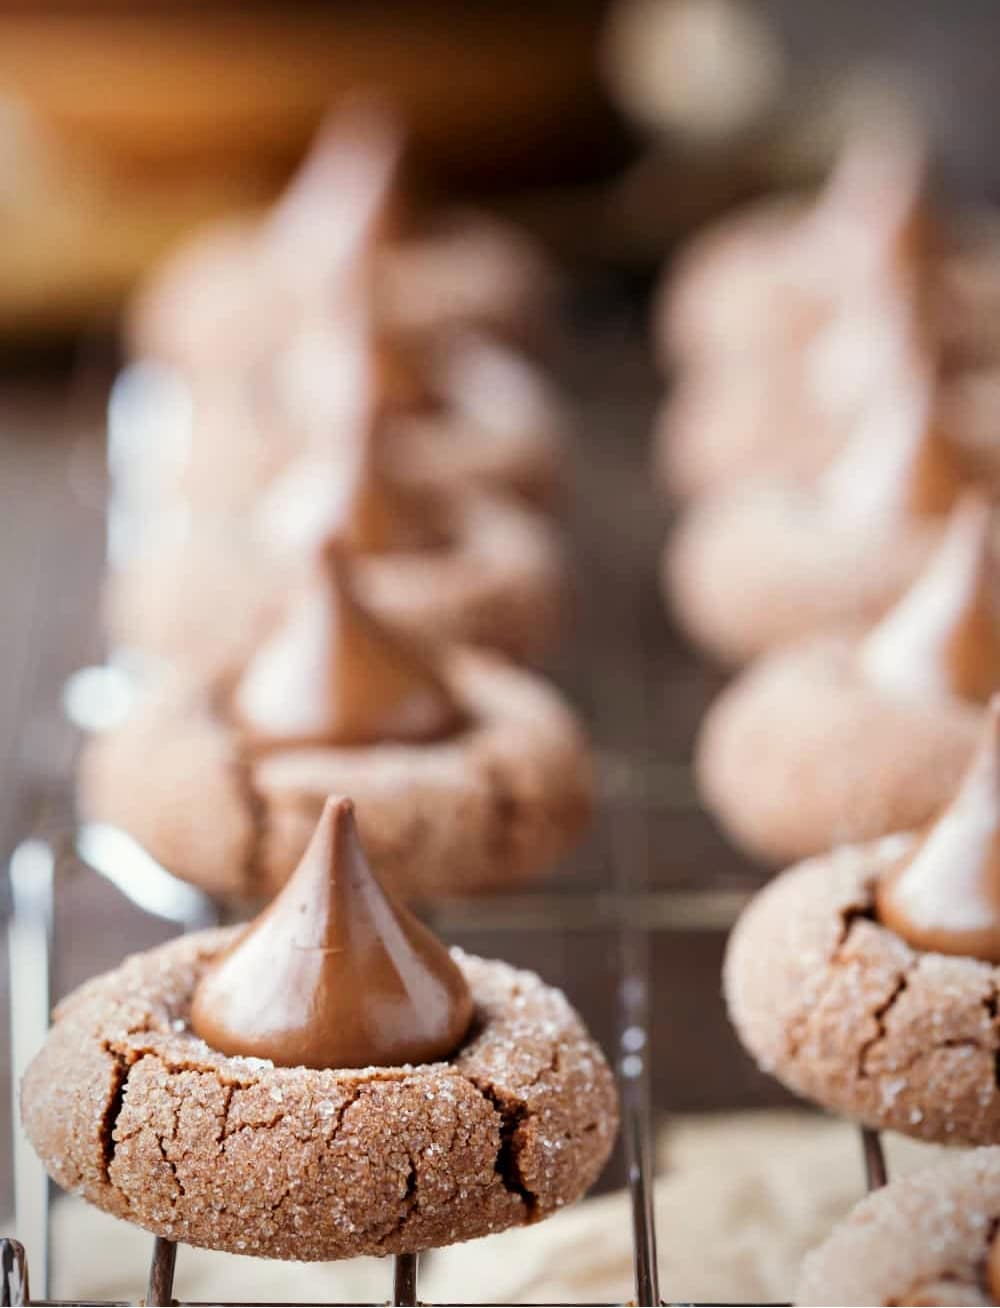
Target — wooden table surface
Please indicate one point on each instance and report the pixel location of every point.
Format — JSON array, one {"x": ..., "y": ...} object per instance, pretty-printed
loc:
[{"x": 640, "y": 688}]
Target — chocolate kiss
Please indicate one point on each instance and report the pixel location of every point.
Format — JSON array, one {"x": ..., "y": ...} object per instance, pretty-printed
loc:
[
  {"x": 343, "y": 196},
  {"x": 334, "y": 973},
  {"x": 993, "y": 1268},
  {"x": 333, "y": 675},
  {"x": 374, "y": 516},
  {"x": 874, "y": 211},
  {"x": 943, "y": 637},
  {"x": 945, "y": 896},
  {"x": 343, "y": 495},
  {"x": 897, "y": 463}
]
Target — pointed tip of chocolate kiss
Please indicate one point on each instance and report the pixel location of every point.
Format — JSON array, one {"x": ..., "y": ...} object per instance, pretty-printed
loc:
[
  {"x": 335, "y": 973},
  {"x": 332, "y": 675},
  {"x": 943, "y": 637},
  {"x": 344, "y": 191},
  {"x": 877, "y": 193}
]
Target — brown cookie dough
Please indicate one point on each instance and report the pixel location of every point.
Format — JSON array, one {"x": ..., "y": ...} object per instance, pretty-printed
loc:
[
  {"x": 761, "y": 566},
  {"x": 129, "y": 1109},
  {"x": 843, "y": 1012},
  {"x": 204, "y": 598},
  {"x": 801, "y": 752},
  {"x": 485, "y": 809},
  {"x": 920, "y": 1240}
]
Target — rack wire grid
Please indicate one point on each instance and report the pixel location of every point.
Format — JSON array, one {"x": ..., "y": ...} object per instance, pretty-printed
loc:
[{"x": 622, "y": 660}]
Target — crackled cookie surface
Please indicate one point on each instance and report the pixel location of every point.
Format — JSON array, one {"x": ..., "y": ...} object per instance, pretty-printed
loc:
[
  {"x": 926, "y": 1239},
  {"x": 128, "y": 1108},
  {"x": 844, "y": 1012}
]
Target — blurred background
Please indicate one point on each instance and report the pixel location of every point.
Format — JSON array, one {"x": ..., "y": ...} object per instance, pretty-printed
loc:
[
  {"x": 611, "y": 128},
  {"x": 610, "y": 131}
]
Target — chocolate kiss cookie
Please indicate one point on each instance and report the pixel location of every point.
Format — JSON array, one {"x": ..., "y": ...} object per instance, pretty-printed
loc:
[
  {"x": 472, "y": 568},
  {"x": 924, "y": 1239},
  {"x": 782, "y": 346},
  {"x": 866, "y": 979},
  {"x": 768, "y": 563},
  {"x": 226, "y": 296},
  {"x": 249, "y": 1107},
  {"x": 837, "y": 740},
  {"x": 470, "y": 775},
  {"x": 768, "y": 279}
]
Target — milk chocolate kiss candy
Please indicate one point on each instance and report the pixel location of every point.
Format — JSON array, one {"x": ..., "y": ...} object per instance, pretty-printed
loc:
[
  {"x": 334, "y": 973},
  {"x": 993, "y": 1268},
  {"x": 945, "y": 896},
  {"x": 344, "y": 198},
  {"x": 943, "y": 637},
  {"x": 345, "y": 495},
  {"x": 332, "y": 675},
  {"x": 874, "y": 212},
  {"x": 375, "y": 516},
  {"x": 897, "y": 464}
]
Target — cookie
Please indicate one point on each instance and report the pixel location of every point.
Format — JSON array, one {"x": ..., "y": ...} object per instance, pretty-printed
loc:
[
  {"x": 768, "y": 563},
  {"x": 787, "y": 318},
  {"x": 127, "y": 1108},
  {"x": 486, "y": 808},
  {"x": 715, "y": 431},
  {"x": 802, "y": 752},
  {"x": 925, "y": 1239},
  {"x": 843, "y": 1012},
  {"x": 837, "y": 740}
]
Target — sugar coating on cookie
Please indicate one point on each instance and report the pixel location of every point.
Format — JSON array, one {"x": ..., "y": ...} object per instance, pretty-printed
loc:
[
  {"x": 844, "y": 1012},
  {"x": 924, "y": 1239},
  {"x": 129, "y": 1109}
]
